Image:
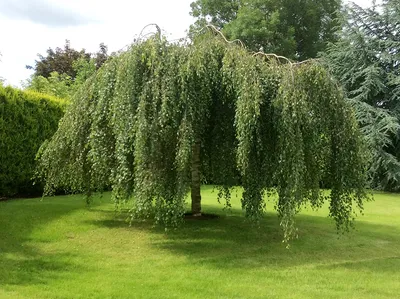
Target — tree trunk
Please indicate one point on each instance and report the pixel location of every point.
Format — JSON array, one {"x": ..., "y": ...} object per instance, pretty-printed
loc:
[{"x": 195, "y": 186}]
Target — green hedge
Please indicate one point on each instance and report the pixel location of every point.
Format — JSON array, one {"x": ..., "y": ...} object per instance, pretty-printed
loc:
[{"x": 26, "y": 120}]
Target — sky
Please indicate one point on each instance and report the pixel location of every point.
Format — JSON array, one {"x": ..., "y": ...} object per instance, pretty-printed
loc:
[{"x": 30, "y": 27}]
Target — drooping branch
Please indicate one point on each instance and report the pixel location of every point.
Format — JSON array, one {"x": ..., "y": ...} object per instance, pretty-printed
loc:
[
  {"x": 154, "y": 116},
  {"x": 141, "y": 36}
]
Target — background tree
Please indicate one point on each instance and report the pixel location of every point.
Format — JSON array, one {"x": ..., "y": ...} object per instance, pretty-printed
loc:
[
  {"x": 366, "y": 62},
  {"x": 59, "y": 60},
  {"x": 55, "y": 85},
  {"x": 149, "y": 119},
  {"x": 63, "y": 86},
  {"x": 298, "y": 29},
  {"x": 62, "y": 71},
  {"x": 101, "y": 56}
]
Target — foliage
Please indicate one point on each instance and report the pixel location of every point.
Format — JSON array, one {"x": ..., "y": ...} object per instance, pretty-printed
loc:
[
  {"x": 296, "y": 29},
  {"x": 56, "y": 85},
  {"x": 101, "y": 55},
  {"x": 366, "y": 62},
  {"x": 26, "y": 120},
  {"x": 63, "y": 71},
  {"x": 58, "y": 60},
  {"x": 134, "y": 125},
  {"x": 84, "y": 70},
  {"x": 62, "y": 85}
]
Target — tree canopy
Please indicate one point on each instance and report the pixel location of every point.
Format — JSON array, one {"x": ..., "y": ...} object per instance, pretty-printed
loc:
[
  {"x": 159, "y": 115},
  {"x": 63, "y": 70},
  {"x": 62, "y": 60},
  {"x": 298, "y": 29},
  {"x": 366, "y": 62},
  {"x": 62, "y": 85}
]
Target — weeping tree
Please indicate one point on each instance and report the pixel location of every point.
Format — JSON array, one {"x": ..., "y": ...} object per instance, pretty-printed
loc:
[
  {"x": 366, "y": 62},
  {"x": 159, "y": 119}
]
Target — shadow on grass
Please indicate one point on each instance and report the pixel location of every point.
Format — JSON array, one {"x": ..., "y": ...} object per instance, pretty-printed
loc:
[
  {"x": 228, "y": 242},
  {"x": 232, "y": 242},
  {"x": 33, "y": 267},
  {"x": 21, "y": 260}
]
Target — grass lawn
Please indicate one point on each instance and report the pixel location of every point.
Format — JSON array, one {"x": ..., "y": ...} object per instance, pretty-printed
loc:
[{"x": 58, "y": 248}]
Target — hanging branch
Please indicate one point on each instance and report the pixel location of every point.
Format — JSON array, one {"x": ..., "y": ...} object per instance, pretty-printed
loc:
[
  {"x": 277, "y": 57},
  {"x": 213, "y": 28},
  {"x": 133, "y": 126},
  {"x": 152, "y": 24}
]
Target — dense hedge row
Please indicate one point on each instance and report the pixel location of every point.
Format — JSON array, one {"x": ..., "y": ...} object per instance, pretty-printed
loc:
[{"x": 26, "y": 120}]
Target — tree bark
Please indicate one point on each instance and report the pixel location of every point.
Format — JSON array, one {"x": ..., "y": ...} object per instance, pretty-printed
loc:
[{"x": 195, "y": 185}]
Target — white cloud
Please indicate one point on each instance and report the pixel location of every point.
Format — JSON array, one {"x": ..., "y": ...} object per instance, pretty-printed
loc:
[
  {"x": 117, "y": 23},
  {"x": 42, "y": 12}
]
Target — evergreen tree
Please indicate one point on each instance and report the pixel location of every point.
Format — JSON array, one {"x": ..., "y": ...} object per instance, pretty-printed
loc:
[{"x": 366, "y": 62}]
